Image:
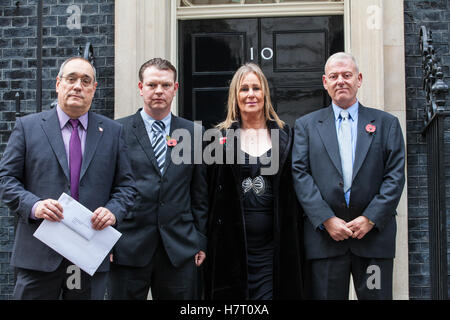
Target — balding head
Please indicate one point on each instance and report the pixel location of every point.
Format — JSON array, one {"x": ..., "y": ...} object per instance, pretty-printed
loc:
[{"x": 341, "y": 56}]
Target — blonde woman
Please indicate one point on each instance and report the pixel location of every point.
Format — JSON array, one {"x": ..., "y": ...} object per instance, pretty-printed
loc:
[{"x": 254, "y": 229}]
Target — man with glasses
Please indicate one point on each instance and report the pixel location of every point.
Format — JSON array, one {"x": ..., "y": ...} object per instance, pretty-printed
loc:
[{"x": 66, "y": 149}]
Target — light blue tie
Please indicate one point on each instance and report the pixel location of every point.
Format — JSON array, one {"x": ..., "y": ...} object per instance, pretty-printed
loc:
[
  {"x": 345, "y": 149},
  {"x": 159, "y": 143}
]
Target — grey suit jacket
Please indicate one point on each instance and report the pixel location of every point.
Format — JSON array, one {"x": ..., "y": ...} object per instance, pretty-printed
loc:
[
  {"x": 378, "y": 180},
  {"x": 171, "y": 208},
  {"x": 34, "y": 167}
]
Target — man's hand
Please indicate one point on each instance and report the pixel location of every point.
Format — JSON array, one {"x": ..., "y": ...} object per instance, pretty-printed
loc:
[
  {"x": 199, "y": 258},
  {"x": 102, "y": 218},
  {"x": 50, "y": 210},
  {"x": 337, "y": 229},
  {"x": 360, "y": 226}
]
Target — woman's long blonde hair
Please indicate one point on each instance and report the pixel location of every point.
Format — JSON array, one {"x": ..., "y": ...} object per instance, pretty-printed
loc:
[{"x": 233, "y": 113}]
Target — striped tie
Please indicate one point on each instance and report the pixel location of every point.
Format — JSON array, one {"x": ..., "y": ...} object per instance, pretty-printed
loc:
[{"x": 159, "y": 143}]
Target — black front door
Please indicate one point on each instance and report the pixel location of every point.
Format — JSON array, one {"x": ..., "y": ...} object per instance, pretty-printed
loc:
[{"x": 291, "y": 52}]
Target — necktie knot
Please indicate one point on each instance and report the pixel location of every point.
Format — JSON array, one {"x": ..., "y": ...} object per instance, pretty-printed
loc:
[
  {"x": 344, "y": 114},
  {"x": 74, "y": 123},
  {"x": 158, "y": 126}
]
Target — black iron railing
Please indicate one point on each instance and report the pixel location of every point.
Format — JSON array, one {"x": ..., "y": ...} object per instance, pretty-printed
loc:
[
  {"x": 435, "y": 125},
  {"x": 87, "y": 52}
]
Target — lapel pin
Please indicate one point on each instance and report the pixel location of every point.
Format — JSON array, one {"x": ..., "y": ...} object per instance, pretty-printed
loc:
[
  {"x": 100, "y": 129},
  {"x": 171, "y": 142},
  {"x": 370, "y": 128},
  {"x": 223, "y": 140}
]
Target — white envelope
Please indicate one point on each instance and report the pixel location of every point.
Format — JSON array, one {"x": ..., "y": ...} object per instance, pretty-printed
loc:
[{"x": 75, "y": 239}]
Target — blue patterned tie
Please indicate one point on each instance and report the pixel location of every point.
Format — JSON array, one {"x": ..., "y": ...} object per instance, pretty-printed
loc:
[
  {"x": 345, "y": 149},
  {"x": 159, "y": 143}
]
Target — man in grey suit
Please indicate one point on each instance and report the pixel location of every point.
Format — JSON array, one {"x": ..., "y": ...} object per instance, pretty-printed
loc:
[
  {"x": 348, "y": 167},
  {"x": 163, "y": 237},
  {"x": 66, "y": 149}
]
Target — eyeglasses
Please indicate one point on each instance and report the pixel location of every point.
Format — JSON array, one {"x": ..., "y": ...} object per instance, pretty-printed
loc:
[{"x": 72, "y": 79}]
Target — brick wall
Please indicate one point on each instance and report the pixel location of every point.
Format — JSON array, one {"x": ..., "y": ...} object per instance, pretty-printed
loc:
[
  {"x": 63, "y": 32},
  {"x": 435, "y": 15}
]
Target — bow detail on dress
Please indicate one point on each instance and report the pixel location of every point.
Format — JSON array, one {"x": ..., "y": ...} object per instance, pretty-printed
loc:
[{"x": 257, "y": 184}]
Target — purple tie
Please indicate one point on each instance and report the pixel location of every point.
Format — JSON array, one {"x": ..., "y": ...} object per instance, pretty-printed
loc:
[{"x": 74, "y": 159}]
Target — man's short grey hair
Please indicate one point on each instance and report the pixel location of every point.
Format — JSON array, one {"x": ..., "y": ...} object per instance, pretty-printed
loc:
[
  {"x": 341, "y": 56},
  {"x": 60, "y": 73}
]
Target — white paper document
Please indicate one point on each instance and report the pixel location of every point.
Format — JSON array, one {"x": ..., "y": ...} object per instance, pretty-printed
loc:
[{"x": 75, "y": 239}]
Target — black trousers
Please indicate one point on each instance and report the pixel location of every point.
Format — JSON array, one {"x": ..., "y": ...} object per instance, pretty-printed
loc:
[
  {"x": 329, "y": 279},
  {"x": 64, "y": 283},
  {"x": 166, "y": 281}
]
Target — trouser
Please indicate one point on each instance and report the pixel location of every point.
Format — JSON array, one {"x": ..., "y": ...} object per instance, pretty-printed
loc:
[
  {"x": 67, "y": 282},
  {"x": 329, "y": 279},
  {"x": 165, "y": 281}
]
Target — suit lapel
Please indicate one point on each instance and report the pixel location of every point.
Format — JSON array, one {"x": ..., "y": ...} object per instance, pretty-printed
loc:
[
  {"x": 364, "y": 139},
  {"x": 174, "y": 125},
  {"x": 50, "y": 125},
  {"x": 327, "y": 131},
  {"x": 94, "y": 133},
  {"x": 141, "y": 134}
]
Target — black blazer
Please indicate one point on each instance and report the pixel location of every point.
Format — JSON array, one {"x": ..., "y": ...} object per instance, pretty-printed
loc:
[
  {"x": 171, "y": 208},
  {"x": 378, "y": 180}
]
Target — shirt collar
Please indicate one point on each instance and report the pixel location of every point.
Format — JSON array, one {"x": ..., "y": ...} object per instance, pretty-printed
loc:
[
  {"x": 64, "y": 118},
  {"x": 352, "y": 110},
  {"x": 148, "y": 119}
]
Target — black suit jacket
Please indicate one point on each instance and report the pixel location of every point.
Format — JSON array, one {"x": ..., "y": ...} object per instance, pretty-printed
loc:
[
  {"x": 171, "y": 208},
  {"x": 378, "y": 180},
  {"x": 35, "y": 167}
]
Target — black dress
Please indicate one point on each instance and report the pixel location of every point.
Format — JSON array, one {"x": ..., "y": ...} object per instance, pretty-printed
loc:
[{"x": 258, "y": 200}]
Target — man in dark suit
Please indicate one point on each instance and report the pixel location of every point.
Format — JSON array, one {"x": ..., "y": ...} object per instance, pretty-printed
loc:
[
  {"x": 348, "y": 167},
  {"x": 163, "y": 237},
  {"x": 66, "y": 149}
]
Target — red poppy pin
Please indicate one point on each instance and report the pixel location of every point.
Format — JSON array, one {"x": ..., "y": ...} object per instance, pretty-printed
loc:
[
  {"x": 171, "y": 142},
  {"x": 223, "y": 140},
  {"x": 370, "y": 128}
]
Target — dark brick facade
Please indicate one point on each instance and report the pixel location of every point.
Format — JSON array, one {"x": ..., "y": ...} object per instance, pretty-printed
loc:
[
  {"x": 435, "y": 15},
  {"x": 18, "y": 61}
]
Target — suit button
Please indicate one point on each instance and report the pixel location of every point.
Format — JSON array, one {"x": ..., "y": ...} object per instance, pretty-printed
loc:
[
  {"x": 341, "y": 184},
  {"x": 219, "y": 221},
  {"x": 161, "y": 203}
]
